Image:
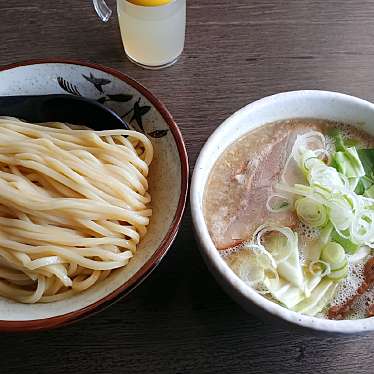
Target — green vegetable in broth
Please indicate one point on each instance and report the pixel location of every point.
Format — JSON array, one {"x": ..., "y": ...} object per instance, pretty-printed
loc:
[
  {"x": 336, "y": 135},
  {"x": 354, "y": 163},
  {"x": 367, "y": 159},
  {"x": 366, "y": 183},
  {"x": 348, "y": 163},
  {"x": 348, "y": 245}
]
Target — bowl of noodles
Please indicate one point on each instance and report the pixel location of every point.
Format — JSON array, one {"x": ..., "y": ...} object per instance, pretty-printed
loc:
[{"x": 85, "y": 215}]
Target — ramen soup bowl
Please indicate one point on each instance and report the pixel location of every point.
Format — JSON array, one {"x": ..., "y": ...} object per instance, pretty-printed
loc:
[
  {"x": 168, "y": 179},
  {"x": 298, "y": 104}
]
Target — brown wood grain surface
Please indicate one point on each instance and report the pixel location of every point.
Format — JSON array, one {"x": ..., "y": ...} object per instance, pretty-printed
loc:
[{"x": 179, "y": 320}]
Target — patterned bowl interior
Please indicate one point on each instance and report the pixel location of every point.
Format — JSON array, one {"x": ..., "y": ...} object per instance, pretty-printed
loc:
[{"x": 164, "y": 178}]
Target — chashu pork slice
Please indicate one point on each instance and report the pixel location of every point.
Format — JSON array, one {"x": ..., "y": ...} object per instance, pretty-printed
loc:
[{"x": 258, "y": 176}]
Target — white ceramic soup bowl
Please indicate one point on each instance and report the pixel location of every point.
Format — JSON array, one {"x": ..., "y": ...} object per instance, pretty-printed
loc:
[{"x": 296, "y": 104}]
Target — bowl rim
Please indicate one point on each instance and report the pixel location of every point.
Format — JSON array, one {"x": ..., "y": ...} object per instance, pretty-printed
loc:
[
  {"x": 224, "y": 275},
  {"x": 154, "y": 260}
]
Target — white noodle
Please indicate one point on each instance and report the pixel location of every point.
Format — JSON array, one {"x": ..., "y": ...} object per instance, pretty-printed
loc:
[{"x": 74, "y": 205}]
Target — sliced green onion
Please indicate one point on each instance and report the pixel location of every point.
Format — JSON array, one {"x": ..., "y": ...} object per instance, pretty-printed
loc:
[
  {"x": 320, "y": 265},
  {"x": 310, "y": 212},
  {"x": 278, "y": 206},
  {"x": 339, "y": 273},
  {"x": 340, "y": 212},
  {"x": 334, "y": 254},
  {"x": 363, "y": 227},
  {"x": 325, "y": 234}
]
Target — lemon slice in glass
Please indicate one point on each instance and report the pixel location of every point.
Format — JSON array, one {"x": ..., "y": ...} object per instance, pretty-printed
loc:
[{"x": 150, "y": 2}]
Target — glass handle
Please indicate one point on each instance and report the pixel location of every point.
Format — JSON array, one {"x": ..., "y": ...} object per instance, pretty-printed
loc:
[{"x": 102, "y": 9}]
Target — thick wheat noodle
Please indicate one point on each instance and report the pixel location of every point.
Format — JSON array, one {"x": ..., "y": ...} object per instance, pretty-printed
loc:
[
  {"x": 89, "y": 208},
  {"x": 38, "y": 238},
  {"x": 94, "y": 138},
  {"x": 125, "y": 192},
  {"x": 65, "y": 251},
  {"x": 74, "y": 206},
  {"x": 131, "y": 156},
  {"x": 72, "y": 160},
  {"x": 89, "y": 171},
  {"x": 24, "y": 228}
]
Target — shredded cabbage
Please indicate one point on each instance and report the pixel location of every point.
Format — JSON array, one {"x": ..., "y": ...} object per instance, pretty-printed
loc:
[
  {"x": 289, "y": 295},
  {"x": 319, "y": 298},
  {"x": 283, "y": 246}
]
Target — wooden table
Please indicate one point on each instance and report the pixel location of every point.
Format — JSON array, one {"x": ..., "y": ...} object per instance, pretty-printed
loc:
[{"x": 179, "y": 320}]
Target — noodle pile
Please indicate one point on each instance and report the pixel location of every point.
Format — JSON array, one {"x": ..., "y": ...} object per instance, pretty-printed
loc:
[{"x": 73, "y": 206}]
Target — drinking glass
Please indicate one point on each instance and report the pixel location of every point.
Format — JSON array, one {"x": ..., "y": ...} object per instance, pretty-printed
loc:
[{"x": 152, "y": 35}]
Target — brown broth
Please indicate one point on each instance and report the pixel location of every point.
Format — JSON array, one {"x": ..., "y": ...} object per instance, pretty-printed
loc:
[{"x": 242, "y": 178}]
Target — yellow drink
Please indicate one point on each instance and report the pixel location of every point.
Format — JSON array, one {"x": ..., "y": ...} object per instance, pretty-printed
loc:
[{"x": 152, "y": 34}]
